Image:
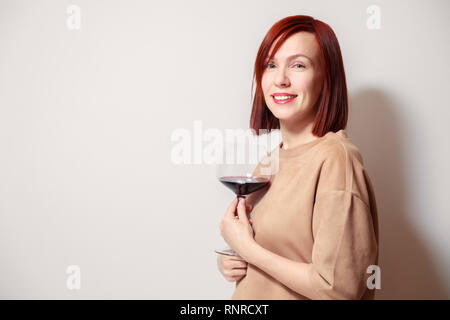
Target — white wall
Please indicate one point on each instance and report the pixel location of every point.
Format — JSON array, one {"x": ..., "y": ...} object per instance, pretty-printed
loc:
[{"x": 86, "y": 118}]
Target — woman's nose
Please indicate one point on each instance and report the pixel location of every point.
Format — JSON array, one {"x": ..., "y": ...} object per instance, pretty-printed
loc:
[{"x": 281, "y": 79}]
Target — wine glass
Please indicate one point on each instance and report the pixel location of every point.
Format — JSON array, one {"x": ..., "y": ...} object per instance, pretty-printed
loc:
[{"x": 245, "y": 166}]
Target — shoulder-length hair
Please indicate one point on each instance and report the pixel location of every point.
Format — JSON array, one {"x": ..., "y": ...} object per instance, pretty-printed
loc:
[{"x": 332, "y": 104}]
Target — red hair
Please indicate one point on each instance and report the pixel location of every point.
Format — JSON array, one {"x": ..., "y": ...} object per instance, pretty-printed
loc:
[{"x": 332, "y": 104}]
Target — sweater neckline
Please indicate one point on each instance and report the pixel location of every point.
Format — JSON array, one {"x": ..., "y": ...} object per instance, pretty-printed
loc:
[{"x": 298, "y": 150}]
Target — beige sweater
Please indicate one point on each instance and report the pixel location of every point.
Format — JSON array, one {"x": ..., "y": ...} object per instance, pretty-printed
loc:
[{"x": 319, "y": 209}]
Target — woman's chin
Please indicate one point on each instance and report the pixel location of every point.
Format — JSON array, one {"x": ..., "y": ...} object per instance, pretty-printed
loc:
[{"x": 284, "y": 115}]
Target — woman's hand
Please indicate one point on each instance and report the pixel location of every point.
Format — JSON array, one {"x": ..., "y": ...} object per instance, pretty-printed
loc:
[
  {"x": 237, "y": 230},
  {"x": 232, "y": 268}
]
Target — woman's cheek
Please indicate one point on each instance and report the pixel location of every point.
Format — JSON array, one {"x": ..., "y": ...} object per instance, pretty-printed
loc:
[{"x": 265, "y": 81}]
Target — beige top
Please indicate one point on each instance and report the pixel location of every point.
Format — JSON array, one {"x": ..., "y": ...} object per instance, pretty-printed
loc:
[{"x": 320, "y": 209}]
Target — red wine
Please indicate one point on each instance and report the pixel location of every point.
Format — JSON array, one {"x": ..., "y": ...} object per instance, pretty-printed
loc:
[{"x": 242, "y": 185}]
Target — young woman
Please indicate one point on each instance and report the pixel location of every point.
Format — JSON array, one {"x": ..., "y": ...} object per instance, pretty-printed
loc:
[{"x": 314, "y": 232}]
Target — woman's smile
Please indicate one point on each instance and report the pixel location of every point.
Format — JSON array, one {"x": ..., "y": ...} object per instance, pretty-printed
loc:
[{"x": 283, "y": 98}]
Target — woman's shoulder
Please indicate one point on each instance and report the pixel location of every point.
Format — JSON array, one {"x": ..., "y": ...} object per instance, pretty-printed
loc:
[
  {"x": 341, "y": 166},
  {"x": 338, "y": 147}
]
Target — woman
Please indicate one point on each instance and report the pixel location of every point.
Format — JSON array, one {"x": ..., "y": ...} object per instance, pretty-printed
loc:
[{"x": 314, "y": 232}]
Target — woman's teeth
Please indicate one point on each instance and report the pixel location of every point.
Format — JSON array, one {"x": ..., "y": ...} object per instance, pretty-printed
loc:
[{"x": 283, "y": 97}]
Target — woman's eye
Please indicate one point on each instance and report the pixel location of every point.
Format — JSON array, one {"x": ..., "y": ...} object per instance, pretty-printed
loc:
[{"x": 269, "y": 66}]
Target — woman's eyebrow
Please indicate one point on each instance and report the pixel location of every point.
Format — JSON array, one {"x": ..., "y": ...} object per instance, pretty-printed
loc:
[{"x": 294, "y": 56}]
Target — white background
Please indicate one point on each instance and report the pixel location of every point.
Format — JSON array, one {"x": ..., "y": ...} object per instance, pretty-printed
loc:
[{"x": 86, "y": 118}]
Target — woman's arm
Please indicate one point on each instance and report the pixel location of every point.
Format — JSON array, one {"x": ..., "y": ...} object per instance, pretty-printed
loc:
[
  {"x": 292, "y": 274},
  {"x": 236, "y": 233},
  {"x": 345, "y": 244}
]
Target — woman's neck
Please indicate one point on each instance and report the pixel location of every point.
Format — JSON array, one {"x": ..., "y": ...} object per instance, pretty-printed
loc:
[{"x": 297, "y": 133}]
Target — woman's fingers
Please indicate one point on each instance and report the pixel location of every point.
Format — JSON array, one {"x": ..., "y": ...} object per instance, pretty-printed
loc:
[
  {"x": 234, "y": 263},
  {"x": 232, "y": 208},
  {"x": 238, "y": 264},
  {"x": 250, "y": 208},
  {"x": 234, "y": 268},
  {"x": 234, "y": 258},
  {"x": 239, "y": 258},
  {"x": 235, "y": 278},
  {"x": 241, "y": 209},
  {"x": 237, "y": 272}
]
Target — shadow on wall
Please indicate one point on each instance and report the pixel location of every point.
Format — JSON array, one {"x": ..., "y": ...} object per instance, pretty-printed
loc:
[{"x": 407, "y": 269}]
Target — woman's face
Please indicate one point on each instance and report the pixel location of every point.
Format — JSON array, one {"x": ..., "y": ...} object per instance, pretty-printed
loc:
[{"x": 298, "y": 76}]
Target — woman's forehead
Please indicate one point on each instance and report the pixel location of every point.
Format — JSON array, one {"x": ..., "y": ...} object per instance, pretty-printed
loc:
[{"x": 301, "y": 43}]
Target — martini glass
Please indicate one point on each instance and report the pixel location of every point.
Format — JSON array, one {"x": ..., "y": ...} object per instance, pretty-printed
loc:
[{"x": 245, "y": 168}]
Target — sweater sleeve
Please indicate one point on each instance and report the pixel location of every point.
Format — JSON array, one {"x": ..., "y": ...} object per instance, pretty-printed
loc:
[{"x": 344, "y": 232}]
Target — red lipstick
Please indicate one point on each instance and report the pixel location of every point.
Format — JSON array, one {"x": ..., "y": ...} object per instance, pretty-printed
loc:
[{"x": 284, "y": 101}]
